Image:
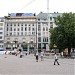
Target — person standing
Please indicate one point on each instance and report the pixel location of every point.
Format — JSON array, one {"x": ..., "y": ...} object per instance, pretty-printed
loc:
[
  {"x": 42, "y": 54},
  {"x": 56, "y": 59},
  {"x": 61, "y": 54},
  {"x": 21, "y": 53}
]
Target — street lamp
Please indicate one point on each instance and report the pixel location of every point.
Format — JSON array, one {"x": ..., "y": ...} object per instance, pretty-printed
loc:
[{"x": 36, "y": 39}]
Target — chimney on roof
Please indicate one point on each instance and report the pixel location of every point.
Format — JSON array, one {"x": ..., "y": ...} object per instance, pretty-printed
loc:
[
  {"x": 41, "y": 12},
  {"x": 57, "y": 11}
]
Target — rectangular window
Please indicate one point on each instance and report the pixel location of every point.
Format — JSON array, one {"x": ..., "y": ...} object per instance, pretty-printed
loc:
[
  {"x": 33, "y": 33},
  {"x": 39, "y": 27},
  {"x": 14, "y": 33},
  {"x": 29, "y": 24},
  {"x": 2, "y": 46},
  {"x": 51, "y": 26},
  {"x": 18, "y": 29},
  {"x": 21, "y": 33},
  {"x": 25, "y": 24},
  {"x": 22, "y": 24},
  {"x": 39, "y": 39},
  {"x": 14, "y": 24},
  {"x": 47, "y": 39},
  {"x": 38, "y": 22},
  {"x": 38, "y": 19},
  {"x": 1, "y": 32},
  {"x": 25, "y": 33},
  {"x": 33, "y": 24},
  {"x": 1, "y": 28},
  {"x": 46, "y": 28},
  {"x": 32, "y": 29},
  {"x": 54, "y": 18},
  {"x": 11, "y": 29},
  {"x": 43, "y": 29},
  {"x": 43, "y": 40},
  {"x": 7, "y": 24},
  {"x": 51, "y": 22},
  {"x": 39, "y": 34},
  {"x": 29, "y": 33},
  {"x": 6, "y": 34},
  {"x": 14, "y": 29},
  {"x": 7, "y": 28},
  {"x": 25, "y": 28},
  {"x": 21, "y": 28},
  {"x": 50, "y": 18},
  {"x": 17, "y": 33},
  {"x": 18, "y": 24},
  {"x": 10, "y": 34},
  {"x": 39, "y": 45},
  {"x": 29, "y": 28},
  {"x": 1, "y": 41},
  {"x": 44, "y": 19},
  {"x": 11, "y": 24},
  {"x": 0, "y": 37}
]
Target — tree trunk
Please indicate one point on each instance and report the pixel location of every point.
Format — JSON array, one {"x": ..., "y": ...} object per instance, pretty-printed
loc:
[{"x": 69, "y": 51}]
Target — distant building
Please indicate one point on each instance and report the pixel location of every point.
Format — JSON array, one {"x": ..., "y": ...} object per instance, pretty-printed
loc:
[{"x": 1, "y": 34}]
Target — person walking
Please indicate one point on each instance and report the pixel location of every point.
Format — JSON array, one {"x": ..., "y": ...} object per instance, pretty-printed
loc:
[
  {"x": 37, "y": 57},
  {"x": 21, "y": 53},
  {"x": 56, "y": 59}
]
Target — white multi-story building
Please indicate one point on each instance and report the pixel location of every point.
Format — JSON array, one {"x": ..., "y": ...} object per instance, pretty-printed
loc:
[
  {"x": 20, "y": 30},
  {"x": 1, "y": 34},
  {"x": 28, "y": 30},
  {"x": 45, "y": 21}
]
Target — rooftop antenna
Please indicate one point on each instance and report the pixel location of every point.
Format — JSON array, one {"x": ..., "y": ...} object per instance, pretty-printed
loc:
[
  {"x": 47, "y": 6},
  {"x": 48, "y": 20},
  {"x": 48, "y": 13}
]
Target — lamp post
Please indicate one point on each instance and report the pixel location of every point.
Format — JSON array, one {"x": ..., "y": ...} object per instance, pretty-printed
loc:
[
  {"x": 36, "y": 39},
  {"x": 31, "y": 42},
  {"x": 11, "y": 45},
  {"x": 28, "y": 48}
]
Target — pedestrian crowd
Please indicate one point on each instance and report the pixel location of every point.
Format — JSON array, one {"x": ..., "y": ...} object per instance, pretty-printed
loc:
[{"x": 37, "y": 55}]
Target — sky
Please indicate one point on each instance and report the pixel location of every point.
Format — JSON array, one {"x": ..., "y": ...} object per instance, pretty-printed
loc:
[{"x": 35, "y": 6}]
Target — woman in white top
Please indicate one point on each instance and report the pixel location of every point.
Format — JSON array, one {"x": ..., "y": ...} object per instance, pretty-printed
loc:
[{"x": 56, "y": 59}]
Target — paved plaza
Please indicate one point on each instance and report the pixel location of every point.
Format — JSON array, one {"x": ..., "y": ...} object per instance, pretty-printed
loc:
[{"x": 13, "y": 65}]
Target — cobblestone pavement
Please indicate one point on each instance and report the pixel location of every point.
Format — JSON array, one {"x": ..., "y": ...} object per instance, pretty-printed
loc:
[{"x": 13, "y": 65}]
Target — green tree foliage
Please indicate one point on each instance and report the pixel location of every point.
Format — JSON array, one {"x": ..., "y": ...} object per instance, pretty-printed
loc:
[
  {"x": 24, "y": 45},
  {"x": 64, "y": 34}
]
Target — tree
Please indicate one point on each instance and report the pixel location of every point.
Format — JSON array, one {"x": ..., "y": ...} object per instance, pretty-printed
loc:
[
  {"x": 24, "y": 46},
  {"x": 64, "y": 34}
]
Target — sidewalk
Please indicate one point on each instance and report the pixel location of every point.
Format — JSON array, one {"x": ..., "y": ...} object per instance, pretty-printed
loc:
[{"x": 28, "y": 66}]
